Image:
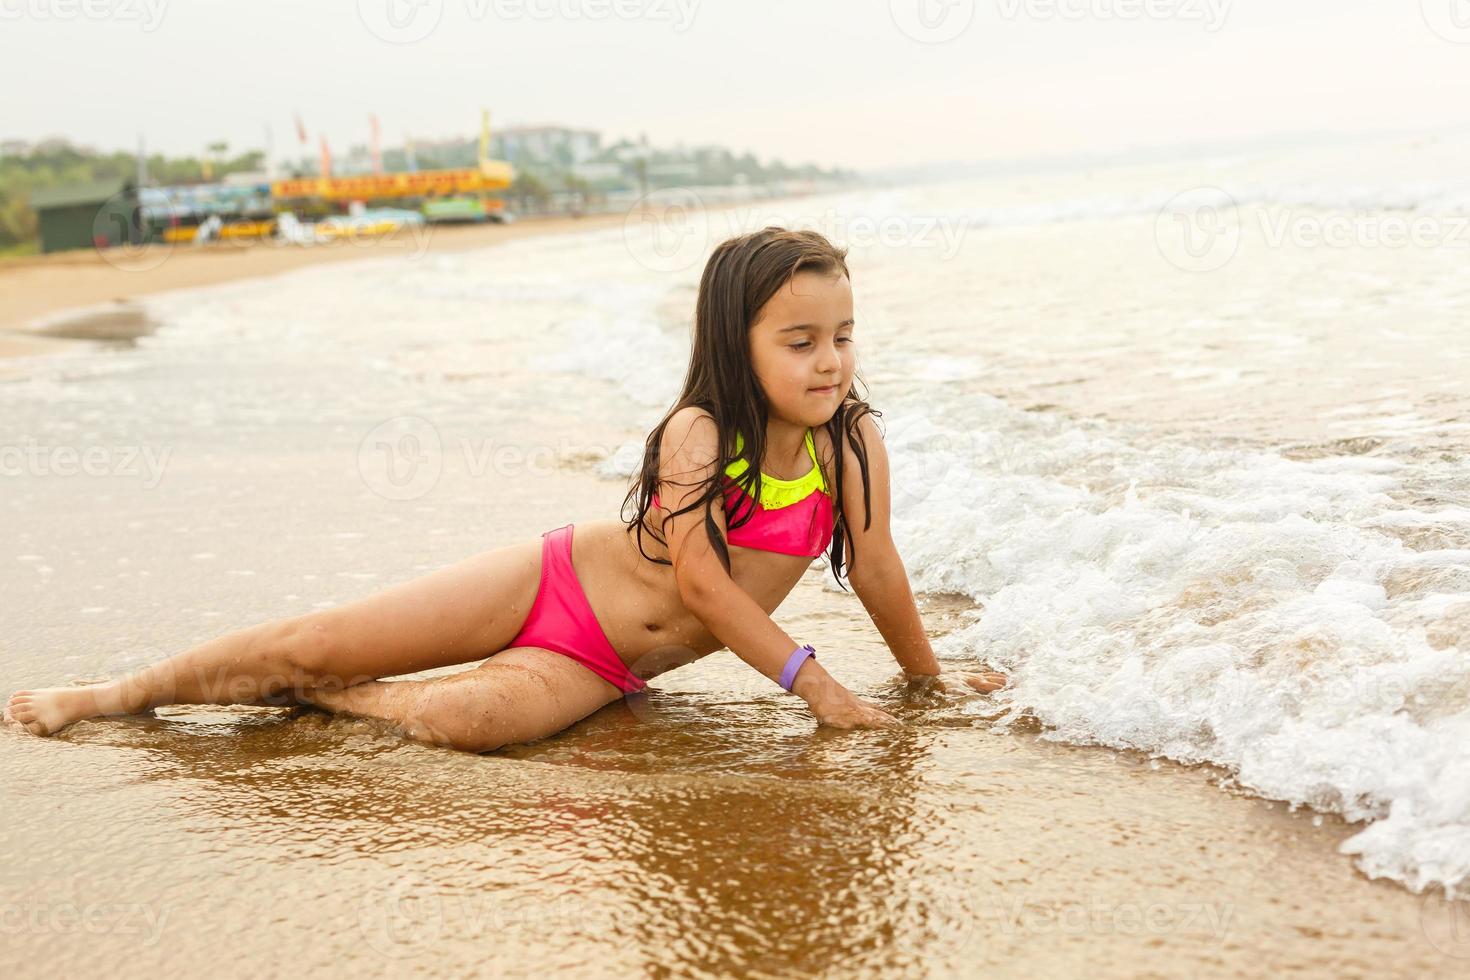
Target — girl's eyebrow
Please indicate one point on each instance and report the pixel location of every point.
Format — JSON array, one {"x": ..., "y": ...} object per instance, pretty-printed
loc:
[{"x": 813, "y": 326}]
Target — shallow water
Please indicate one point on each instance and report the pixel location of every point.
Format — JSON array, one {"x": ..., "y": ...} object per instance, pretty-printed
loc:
[{"x": 1216, "y": 517}]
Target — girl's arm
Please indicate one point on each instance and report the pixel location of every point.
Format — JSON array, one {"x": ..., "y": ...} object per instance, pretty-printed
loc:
[
  {"x": 688, "y": 456},
  {"x": 878, "y": 575}
]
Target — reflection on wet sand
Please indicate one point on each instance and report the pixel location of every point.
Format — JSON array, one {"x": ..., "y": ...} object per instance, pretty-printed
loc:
[{"x": 707, "y": 829}]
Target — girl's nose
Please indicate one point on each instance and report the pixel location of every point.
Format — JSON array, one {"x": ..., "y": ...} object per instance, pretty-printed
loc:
[{"x": 830, "y": 362}]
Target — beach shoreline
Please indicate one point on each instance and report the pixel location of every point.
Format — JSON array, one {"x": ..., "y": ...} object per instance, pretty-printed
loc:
[{"x": 55, "y": 301}]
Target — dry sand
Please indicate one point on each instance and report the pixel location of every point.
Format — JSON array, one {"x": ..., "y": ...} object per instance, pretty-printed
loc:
[{"x": 51, "y": 300}]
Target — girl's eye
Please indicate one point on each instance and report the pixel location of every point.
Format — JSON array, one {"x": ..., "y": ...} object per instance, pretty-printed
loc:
[{"x": 805, "y": 344}]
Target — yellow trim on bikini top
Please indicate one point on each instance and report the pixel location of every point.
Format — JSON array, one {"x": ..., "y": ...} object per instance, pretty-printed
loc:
[{"x": 776, "y": 493}]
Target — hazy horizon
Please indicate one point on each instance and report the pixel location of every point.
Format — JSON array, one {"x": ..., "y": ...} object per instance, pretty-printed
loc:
[{"x": 881, "y": 84}]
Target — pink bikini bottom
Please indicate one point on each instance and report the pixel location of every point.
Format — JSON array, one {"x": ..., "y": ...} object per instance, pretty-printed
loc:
[{"x": 561, "y": 620}]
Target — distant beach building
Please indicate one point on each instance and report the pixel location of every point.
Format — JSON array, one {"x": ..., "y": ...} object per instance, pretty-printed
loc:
[
  {"x": 99, "y": 214},
  {"x": 552, "y": 143}
]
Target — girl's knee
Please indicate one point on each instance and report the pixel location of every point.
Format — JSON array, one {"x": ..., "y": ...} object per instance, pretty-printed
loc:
[
  {"x": 452, "y": 723},
  {"x": 308, "y": 650}
]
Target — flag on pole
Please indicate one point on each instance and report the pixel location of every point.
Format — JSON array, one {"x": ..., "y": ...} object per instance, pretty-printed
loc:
[
  {"x": 377, "y": 152},
  {"x": 484, "y": 136},
  {"x": 300, "y": 130},
  {"x": 326, "y": 159}
]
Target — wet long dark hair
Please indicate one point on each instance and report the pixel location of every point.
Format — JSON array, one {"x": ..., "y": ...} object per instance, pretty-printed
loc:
[{"x": 742, "y": 274}]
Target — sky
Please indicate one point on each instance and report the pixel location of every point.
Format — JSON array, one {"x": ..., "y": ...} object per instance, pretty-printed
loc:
[{"x": 864, "y": 84}]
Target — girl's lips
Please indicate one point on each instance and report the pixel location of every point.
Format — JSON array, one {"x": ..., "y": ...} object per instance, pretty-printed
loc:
[{"x": 825, "y": 391}]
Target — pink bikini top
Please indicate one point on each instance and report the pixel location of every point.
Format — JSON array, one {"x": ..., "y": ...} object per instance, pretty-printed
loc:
[{"x": 792, "y": 517}]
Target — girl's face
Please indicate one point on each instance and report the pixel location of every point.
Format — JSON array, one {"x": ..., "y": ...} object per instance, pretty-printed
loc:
[{"x": 802, "y": 347}]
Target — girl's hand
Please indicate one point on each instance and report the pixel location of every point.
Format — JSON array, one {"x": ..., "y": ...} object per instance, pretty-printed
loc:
[
  {"x": 964, "y": 681},
  {"x": 855, "y": 712}
]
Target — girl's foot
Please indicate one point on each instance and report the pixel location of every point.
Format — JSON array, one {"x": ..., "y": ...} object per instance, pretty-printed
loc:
[{"x": 48, "y": 710}]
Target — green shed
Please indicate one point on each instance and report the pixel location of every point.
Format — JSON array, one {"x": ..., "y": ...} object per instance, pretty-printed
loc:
[{"x": 98, "y": 215}]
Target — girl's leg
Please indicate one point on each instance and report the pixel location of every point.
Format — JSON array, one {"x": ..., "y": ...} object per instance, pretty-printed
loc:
[
  {"x": 518, "y": 695},
  {"x": 462, "y": 612}
]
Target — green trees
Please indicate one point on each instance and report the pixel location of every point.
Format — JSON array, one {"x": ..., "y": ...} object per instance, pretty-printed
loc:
[{"x": 54, "y": 163}]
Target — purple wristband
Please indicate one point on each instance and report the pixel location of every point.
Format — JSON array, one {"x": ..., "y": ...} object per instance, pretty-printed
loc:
[{"x": 798, "y": 657}]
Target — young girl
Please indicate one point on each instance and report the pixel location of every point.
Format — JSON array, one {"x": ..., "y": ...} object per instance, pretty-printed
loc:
[{"x": 755, "y": 463}]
